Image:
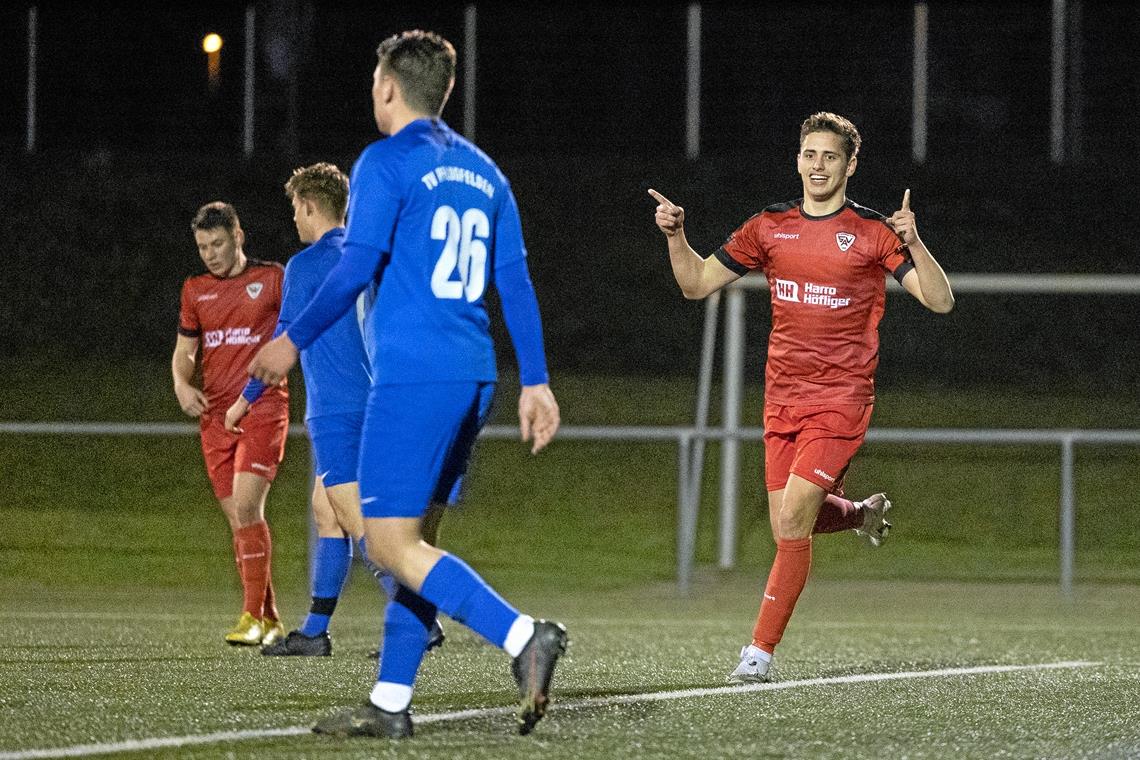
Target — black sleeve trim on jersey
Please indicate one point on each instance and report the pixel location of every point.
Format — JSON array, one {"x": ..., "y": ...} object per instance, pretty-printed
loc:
[
  {"x": 724, "y": 258},
  {"x": 188, "y": 333},
  {"x": 782, "y": 208},
  {"x": 902, "y": 269}
]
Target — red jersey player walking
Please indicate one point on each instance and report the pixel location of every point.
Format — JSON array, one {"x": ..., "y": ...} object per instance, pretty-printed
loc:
[
  {"x": 825, "y": 258},
  {"x": 230, "y": 312}
]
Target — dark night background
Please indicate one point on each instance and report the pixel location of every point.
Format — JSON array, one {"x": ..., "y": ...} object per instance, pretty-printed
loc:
[{"x": 582, "y": 105}]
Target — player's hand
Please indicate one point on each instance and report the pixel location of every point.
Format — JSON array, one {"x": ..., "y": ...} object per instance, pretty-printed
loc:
[
  {"x": 272, "y": 363},
  {"x": 670, "y": 217},
  {"x": 538, "y": 415},
  {"x": 191, "y": 399},
  {"x": 902, "y": 221},
  {"x": 234, "y": 414}
]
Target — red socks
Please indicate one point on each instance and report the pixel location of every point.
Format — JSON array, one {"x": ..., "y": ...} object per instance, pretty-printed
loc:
[
  {"x": 785, "y": 582},
  {"x": 254, "y": 549},
  {"x": 837, "y": 514}
]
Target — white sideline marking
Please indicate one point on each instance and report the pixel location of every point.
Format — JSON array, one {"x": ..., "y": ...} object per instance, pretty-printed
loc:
[{"x": 138, "y": 745}]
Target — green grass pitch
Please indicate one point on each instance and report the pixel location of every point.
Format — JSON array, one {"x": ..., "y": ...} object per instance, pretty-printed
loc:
[
  {"x": 117, "y": 583},
  {"x": 112, "y": 666}
]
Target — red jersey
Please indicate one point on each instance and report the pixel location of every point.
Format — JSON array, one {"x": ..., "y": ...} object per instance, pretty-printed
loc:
[
  {"x": 828, "y": 292},
  {"x": 233, "y": 317}
]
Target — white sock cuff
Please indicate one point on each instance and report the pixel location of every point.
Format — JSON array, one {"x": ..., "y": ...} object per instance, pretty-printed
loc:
[
  {"x": 519, "y": 634},
  {"x": 757, "y": 652},
  {"x": 393, "y": 697}
]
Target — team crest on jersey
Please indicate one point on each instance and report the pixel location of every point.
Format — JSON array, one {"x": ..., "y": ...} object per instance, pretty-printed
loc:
[
  {"x": 253, "y": 289},
  {"x": 844, "y": 240}
]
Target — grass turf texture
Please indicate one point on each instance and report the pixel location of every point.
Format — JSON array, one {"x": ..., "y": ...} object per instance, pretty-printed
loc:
[
  {"x": 116, "y": 583},
  {"x": 98, "y": 667}
]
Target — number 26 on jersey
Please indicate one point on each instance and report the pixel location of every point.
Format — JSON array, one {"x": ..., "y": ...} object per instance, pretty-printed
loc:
[{"x": 464, "y": 248}]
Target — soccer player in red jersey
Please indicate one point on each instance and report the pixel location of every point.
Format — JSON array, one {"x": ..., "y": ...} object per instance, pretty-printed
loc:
[
  {"x": 230, "y": 312},
  {"x": 825, "y": 258}
]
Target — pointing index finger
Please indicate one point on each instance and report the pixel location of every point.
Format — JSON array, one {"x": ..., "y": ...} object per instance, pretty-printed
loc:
[
  {"x": 906, "y": 200},
  {"x": 660, "y": 198}
]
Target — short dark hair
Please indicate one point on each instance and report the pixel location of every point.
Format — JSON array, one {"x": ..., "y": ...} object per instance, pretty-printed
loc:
[
  {"x": 825, "y": 121},
  {"x": 214, "y": 215},
  {"x": 424, "y": 65},
  {"x": 322, "y": 183}
]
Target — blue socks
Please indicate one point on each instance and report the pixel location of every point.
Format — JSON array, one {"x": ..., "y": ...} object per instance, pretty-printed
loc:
[
  {"x": 408, "y": 621},
  {"x": 330, "y": 569},
  {"x": 458, "y": 591}
]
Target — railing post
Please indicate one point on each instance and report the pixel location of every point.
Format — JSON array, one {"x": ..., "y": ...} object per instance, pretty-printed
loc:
[
  {"x": 730, "y": 444},
  {"x": 686, "y": 513},
  {"x": 1068, "y": 514}
]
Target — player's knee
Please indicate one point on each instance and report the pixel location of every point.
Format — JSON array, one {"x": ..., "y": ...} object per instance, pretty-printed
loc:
[{"x": 795, "y": 521}]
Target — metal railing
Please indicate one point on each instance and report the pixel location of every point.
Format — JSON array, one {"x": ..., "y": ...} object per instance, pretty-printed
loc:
[
  {"x": 1057, "y": 284},
  {"x": 690, "y": 444}
]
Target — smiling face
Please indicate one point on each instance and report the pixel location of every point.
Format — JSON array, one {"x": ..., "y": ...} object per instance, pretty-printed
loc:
[
  {"x": 220, "y": 249},
  {"x": 824, "y": 166}
]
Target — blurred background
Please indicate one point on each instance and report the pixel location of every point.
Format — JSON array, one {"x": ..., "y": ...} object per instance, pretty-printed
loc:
[
  {"x": 118, "y": 125},
  {"x": 584, "y": 107}
]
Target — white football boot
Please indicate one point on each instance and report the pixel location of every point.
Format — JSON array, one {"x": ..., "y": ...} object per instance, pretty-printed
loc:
[
  {"x": 754, "y": 666},
  {"x": 875, "y": 526}
]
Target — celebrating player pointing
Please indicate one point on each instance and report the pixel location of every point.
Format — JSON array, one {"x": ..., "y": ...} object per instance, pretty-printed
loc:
[{"x": 824, "y": 257}]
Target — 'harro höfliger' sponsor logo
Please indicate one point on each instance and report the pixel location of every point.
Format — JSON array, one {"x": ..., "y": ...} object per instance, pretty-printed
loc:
[
  {"x": 231, "y": 336},
  {"x": 786, "y": 290}
]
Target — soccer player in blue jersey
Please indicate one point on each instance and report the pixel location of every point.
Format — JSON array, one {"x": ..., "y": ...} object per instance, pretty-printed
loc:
[
  {"x": 337, "y": 378},
  {"x": 434, "y": 222}
]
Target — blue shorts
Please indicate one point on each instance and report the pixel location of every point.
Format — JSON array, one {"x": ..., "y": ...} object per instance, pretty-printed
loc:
[
  {"x": 416, "y": 444},
  {"x": 336, "y": 446}
]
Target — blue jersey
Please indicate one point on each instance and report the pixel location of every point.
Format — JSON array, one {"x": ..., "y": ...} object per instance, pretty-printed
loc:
[
  {"x": 336, "y": 367},
  {"x": 433, "y": 221},
  {"x": 457, "y": 223}
]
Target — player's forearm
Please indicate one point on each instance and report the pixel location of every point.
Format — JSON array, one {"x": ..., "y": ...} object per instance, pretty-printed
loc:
[
  {"x": 688, "y": 266},
  {"x": 182, "y": 369},
  {"x": 931, "y": 279},
  {"x": 520, "y": 312},
  {"x": 255, "y": 388}
]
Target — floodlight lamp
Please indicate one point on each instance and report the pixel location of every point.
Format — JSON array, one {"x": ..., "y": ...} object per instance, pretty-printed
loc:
[{"x": 212, "y": 43}]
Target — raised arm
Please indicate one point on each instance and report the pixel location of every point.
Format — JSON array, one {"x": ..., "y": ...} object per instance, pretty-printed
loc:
[
  {"x": 926, "y": 282},
  {"x": 192, "y": 400},
  {"x": 698, "y": 276}
]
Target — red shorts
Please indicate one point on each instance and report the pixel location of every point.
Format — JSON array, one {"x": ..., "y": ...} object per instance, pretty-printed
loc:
[
  {"x": 258, "y": 450},
  {"x": 816, "y": 443}
]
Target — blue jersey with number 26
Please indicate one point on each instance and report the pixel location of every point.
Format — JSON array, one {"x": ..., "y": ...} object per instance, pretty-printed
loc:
[{"x": 458, "y": 223}]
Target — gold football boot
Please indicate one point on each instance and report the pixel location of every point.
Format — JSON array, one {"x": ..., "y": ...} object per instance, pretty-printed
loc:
[{"x": 248, "y": 631}]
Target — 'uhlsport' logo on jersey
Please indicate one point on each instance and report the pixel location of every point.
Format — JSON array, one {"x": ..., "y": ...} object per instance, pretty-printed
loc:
[
  {"x": 254, "y": 289},
  {"x": 813, "y": 294},
  {"x": 844, "y": 240},
  {"x": 786, "y": 235}
]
